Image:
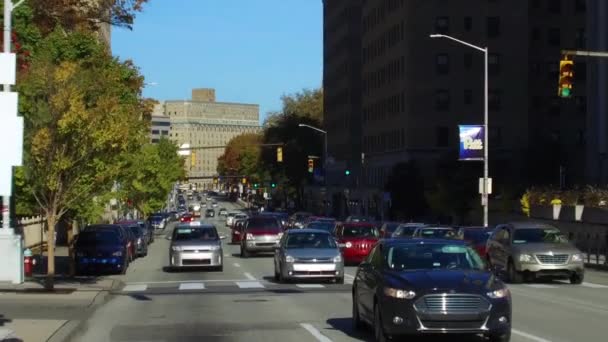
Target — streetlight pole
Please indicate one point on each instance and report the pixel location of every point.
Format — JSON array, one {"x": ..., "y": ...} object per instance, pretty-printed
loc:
[{"x": 484, "y": 193}]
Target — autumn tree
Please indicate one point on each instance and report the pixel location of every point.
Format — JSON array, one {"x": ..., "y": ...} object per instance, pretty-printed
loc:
[{"x": 241, "y": 156}]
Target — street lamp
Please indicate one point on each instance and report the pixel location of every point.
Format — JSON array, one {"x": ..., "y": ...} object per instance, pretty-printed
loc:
[
  {"x": 484, "y": 194},
  {"x": 324, "y": 146}
]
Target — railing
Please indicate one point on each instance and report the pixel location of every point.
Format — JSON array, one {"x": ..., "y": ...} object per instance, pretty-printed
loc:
[{"x": 594, "y": 245}]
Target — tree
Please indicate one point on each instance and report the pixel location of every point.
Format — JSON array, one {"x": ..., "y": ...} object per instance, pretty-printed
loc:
[
  {"x": 83, "y": 111},
  {"x": 241, "y": 156},
  {"x": 306, "y": 103}
]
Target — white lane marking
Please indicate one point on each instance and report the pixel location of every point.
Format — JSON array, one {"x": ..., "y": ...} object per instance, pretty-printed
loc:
[
  {"x": 191, "y": 286},
  {"x": 188, "y": 281},
  {"x": 541, "y": 286},
  {"x": 236, "y": 264},
  {"x": 226, "y": 255},
  {"x": 249, "y": 285},
  {"x": 135, "y": 288},
  {"x": 310, "y": 286},
  {"x": 349, "y": 281},
  {"x": 529, "y": 336},
  {"x": 249, "y": 276},
  {"x": 315, "y": 332},
  {"x": 594, "y": 286}
]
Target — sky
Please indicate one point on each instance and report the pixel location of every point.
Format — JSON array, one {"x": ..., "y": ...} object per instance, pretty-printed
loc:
[{"x": 250, "y": 51}]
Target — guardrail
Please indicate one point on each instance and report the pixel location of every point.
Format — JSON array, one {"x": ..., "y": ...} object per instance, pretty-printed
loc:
[{"x": 594, "y": 245}]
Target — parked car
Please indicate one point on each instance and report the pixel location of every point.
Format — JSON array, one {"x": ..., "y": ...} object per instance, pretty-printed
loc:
[
  {"x": 306, "y": 254},
  {"x": 356, "y": 219},
  {"x": 147, "y": 230},
  {"x": 157, "y": 222},
  {"x": 432, "y": 232},
  {"x": 356, "y": 240},
  {"x": 530, "y": 250},
  {"x": 325, "y": 225},
  {"x": 262, "y": 235},
  {"x": 406, "y": 230},
  {"x": 141, "y": 247},
  {"x": 476, "y": 237},
  {"x": 100, "y": 250},
  {"x": 210, "y": 212},
  {"x": 196, "y": 244},
  {"x": 230, "y": 217},
  {"x": 425, "y": 286},
  {"x": 222, "y": 212},
  {"x": 387, "y": 229}
]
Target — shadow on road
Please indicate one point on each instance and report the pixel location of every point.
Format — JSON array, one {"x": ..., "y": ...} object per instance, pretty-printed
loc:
[
  {"x": 168, "y": 269},
  {"x": 345, "y": 325},
  {"x": 254, "y": 256}
]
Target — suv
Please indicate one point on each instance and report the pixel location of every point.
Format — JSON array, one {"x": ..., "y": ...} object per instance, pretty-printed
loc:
[
  {"x": 261, "y": 234},
  {"x": 530, "y": 250}
]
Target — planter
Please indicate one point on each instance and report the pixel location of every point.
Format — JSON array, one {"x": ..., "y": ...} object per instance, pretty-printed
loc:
[
  {"x": 573, "y": 213},
  {"x": 541, "y": 212},
  {"x": 595, "y": 215}
]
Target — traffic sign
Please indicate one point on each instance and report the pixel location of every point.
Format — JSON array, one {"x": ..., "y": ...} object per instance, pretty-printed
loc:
[{"x": 11, "y": 140}]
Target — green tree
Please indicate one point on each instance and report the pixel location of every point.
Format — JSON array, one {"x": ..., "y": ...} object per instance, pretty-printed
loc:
[
  {"x": 306, "y": 103},
  {"x": 83, "y": 111},
  {"x": 241, "y": 156}
]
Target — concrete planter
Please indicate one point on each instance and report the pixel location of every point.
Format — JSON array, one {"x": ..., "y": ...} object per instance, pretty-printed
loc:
[
  {"x": 572, "y": 213},
  {"x": 595, "y": 215},
  {"x": 541, "y": 212},
  {"x": 557, "y": 208}
]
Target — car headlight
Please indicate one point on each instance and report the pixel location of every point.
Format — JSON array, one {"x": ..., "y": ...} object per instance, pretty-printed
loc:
[
  {"x": 214, "y": 248},
  {"x": 501, "y": 293},
  {"x": 176, "y": 248},
  {"x": 527, "y": 258},
  {"x": 289, "y": 258},
  {"x": 349, "y": 244},
  {"x": 338, "y": 258},
  {"x": 249, "y": 237},
  {"x": 139, "y": 241},
  {"x": 280, "y": 235},
  {"x": 401, "y": 294},
  {"x": 578, "y": 257},
  {"x": 117, "y": 254}
]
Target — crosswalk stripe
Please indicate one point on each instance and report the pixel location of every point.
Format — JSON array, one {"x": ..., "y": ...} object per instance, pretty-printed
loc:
[
  {"x": 135, "y": 288},
  {"x": 249, "y": 285},
  {"x": 541, "y": 286},
  {"x": 191, "y": 286},
  {"x": 310, "y": 286}
]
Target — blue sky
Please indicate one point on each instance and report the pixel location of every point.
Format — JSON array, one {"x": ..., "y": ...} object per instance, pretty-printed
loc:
[{"x": 250, "y": 51}]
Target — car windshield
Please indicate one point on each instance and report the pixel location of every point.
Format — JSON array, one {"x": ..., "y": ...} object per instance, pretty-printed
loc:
[
  {"x": 326, "y": 226},
  {"x": 538, "y": 235},
  {"x": 310, "y": 240},
  {"x": 156, "y": 218},
  {"x": 98, "y": 238},
  {"x": 194, "y": 233},
  {"x": 432, "y": 257},
  {"x": 360, "y": 231},
  {"x": 437, "y": 233},
  {"x": 263, "y": 224},
  {"x": 391, "y": 227},
  {"x": 404, "y": 231},
  {"x": 477, "y": 235}
]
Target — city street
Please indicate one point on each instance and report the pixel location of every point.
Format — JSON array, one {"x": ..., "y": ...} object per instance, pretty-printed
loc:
[{"x": 243, "y": 303}]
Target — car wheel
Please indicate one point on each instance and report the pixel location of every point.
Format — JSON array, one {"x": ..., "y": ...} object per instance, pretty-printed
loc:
[
  {"x": 506, "y": 337},
  {"x": 379, "y": 334},
  {"x": 357, "y": 322},
  {"x": 577, "y": 278},
  {"x": 515, "y": 277},
  {"x": 339, "y": 280},
  {"x": 220, "y": 268}
]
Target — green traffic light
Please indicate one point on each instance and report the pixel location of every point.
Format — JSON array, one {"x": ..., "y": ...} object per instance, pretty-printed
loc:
[
  {"x": 273, "y": 185},
  {"x": 566, "y": 92},
  {"x": 347, "y": 172},
  {"x": 255, "y": 185}
]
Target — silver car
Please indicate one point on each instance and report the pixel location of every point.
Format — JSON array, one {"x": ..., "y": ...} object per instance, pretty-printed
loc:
[
  {"x": 308, "y": 253},
  {"x": 196, "y": 244},
  {"x": 527, "y": 250}
]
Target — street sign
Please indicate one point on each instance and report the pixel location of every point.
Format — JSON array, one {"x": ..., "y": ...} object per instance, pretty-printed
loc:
[
  {"x": 489, "y": 185},
  {"x": 8, "y": 67},
  {"x": 11, "y": 140}
]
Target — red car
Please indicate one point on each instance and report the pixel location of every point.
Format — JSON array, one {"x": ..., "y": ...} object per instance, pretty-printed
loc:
[
  {"x": 186, "y": 218},
  {"x": 356, "y": 239},
  {"x": 476, "y": 237},
  {"x": 237, "y": 231}
]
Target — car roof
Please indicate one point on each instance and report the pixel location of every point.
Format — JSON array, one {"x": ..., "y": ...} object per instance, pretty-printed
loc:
[
  {"x": 200, "y": 226},
  {"x": 395, "y": 241},
  {"x": 306, "y": 230},
  {"x": 437, "y": 227},
  {"x": 530, "y": 224}
]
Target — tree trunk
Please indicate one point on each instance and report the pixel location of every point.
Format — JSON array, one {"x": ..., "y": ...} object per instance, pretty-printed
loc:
[{"x": 51, "y": 220}]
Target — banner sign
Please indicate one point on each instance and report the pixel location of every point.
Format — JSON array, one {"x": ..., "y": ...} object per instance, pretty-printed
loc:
[{"x": 471, "y": 142}]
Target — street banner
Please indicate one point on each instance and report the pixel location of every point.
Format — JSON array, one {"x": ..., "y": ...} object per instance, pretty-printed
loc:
[{"x": 471, "y": 142}]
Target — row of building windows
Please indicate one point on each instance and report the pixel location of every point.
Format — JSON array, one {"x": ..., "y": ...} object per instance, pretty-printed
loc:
[
  {"x": 554, "y": 37},
  {"x": 387, "y": 40},
  {"x": 442, "y": 63},
  {"x": 442, "y": 25},
  {"x": 155, "y": 131},
  {"x": 388, "y": 141},
  {"x": 161, "y": 123},
  {"x": 555, "y": 6},
  {"x": 387, "y": 74},
  {"x": 443, "y": 100},
  {"x": 377, "y": 15},
  {"x": 389, "y": 106}
]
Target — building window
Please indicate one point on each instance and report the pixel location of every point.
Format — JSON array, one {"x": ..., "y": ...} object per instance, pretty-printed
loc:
[
  {"x": 442, "y": 25},
  {"x": 493, "y": 27},
  {"x": 468, "y": 96},
  {"x": 468, "y": 24},
  {"x": 154, "y": 131},
  {"x": 442, "y": 63},
  {"x": 580, "y": 41},
  {"x": 554, "y": 6},
  {"x": 495, "y": 136},
  {"x": 580, "y": 6},
  {"x": 494, "y": 63},
  {"x": 443, "y": 136},
  {"x": 442, "y": 99},
  {"x": 553, "y": 68},
  {"x": 554, "y": 36},
  {"x": 494, "y": 99},
  {"x": 468, "y": 61},
  {"x": 581, "y": 103}
]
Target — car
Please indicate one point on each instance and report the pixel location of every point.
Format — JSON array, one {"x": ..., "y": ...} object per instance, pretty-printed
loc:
[
  {"x": 141, "y": 247},
  {"x": 209, "y": 213},
  {"x": 262, "y": 235},
  {"x": 387, "y": 229},
  {"x": 530, "y": 250},
  {"x": 148, "y": 233},
  {"x": 297, "y": 220},
  {"x": 425, "y": 286},
  {"x": 356, "y": 219},
  {"x": 222, "y": 212},
  {"x": 230, "y": 217},
  {"x": 432, "y": 232},
  {"x": 196, "y": 244},
  {"x": 157, "y": 222},
  {"x": 186, "y": 218},
  {"x": 237, "y": 217},
  {"x": 237, "y": 230},
  {"x": 214, "y": 205},
  {"x": 308, "y": 254},
  {"x": 406, "y": 230},
  {"x": 356, "y": 240},
  {"x": 101, "y": 248},
  {"x": 325, "y": 225},
  {"x": 477, "y": 237}
]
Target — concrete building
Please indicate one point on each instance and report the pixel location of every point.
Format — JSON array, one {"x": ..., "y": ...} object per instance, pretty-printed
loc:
[
  {"x": 160, "y": 124},
  {"x": 415, "y": 91},
  {"x": 201, "y": 121}
]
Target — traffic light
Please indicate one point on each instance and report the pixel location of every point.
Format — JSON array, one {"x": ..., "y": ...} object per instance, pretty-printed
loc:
[
  {"x": 566, "y": 77},
  {"x": 311, "y": 165},
  {"x": 244, "y": 180},
  {"x": 255, "y": 185},
  {"x": 274, "y": 185},
  {"x": 192, "y": 159},
  {"x": 347, "y": 172},
  {"x": 279, "y": 154}
]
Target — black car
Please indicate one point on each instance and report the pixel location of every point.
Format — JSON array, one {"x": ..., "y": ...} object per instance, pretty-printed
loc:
[
  {"x": 426, "y": 286},
  {"x": 210, "y": 213},
  {"x": 101, "y": 249}
]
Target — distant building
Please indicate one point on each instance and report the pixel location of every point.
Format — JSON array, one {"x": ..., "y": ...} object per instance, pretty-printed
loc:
[
  {"x": 203, "y": 122},
  {"x": 160, "y": 124}
]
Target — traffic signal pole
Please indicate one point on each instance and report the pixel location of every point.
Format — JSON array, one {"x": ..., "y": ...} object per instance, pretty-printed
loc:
[{"x": 583, "y": 53}]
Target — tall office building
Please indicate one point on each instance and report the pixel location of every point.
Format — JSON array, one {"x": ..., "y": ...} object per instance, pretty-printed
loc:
[
  {"x": 415, "y": 90},
  {"x": 160, "y": 124},
  {"x": 203, "y": 122}
]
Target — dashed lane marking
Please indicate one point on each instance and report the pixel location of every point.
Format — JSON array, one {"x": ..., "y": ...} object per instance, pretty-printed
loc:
[
  {"x": 236, "y": 264},
  {"x": 529, "y": 336},
  {"x": 191, "y": 286},
  {"x": 541, "y": 286},
  {"x": 249, "y": 276},
  {"x": 135, "y": 288},
  {"x": 310, "y": 286},
  {"x": 315, "y": 332},
  {"x": 249, "y": 285}
]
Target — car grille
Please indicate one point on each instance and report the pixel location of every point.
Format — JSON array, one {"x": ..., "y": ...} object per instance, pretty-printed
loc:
[
  {"x": 557, "y": 259},
  {"x": 196, "y": 262},
  {"x": 456, "y": 325},
  {"x": 313, "y": 260},
  {"x": 196, "y": 250},
  {"x": 451, "y": 304}
]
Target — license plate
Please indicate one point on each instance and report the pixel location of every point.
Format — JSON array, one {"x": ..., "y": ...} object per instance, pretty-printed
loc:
[
  {"x": 197, "y": 255},
  {"x": 314, "y": 268}
]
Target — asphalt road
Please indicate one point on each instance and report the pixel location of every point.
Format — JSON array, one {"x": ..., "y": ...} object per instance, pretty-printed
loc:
[{"x": 243, "y": 303}]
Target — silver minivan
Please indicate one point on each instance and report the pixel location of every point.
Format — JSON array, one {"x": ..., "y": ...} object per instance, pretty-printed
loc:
[{"x": 196, "y": 244}]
